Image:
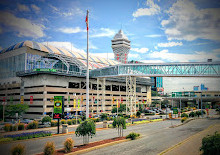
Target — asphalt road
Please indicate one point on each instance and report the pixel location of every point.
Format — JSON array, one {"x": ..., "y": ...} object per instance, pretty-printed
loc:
[
  {"x": 157, "y": 140},
  {"x": 156, "y": 137}
]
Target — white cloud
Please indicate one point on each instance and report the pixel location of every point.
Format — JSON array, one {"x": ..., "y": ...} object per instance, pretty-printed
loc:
[
  {"x": 92, "y": 46},
  {"x": 22, "y": 26},
  {"x": 187, "y": 22},
  {"x": 133, "y": 56},
  {"x": 71, "y": 30},
  {"x": 67, "y": 45},
  {"x": 70, "y": 12},
  {"x": 179, "y": 57},
  {"x": 23, "y": 8},
  {"x": 35, "y": 8},
  {"x": 153, "y": 35},
  {"x": 152, "y": 10},
  {"x": 140, "y": 50},
  {"x": 103, "y": 32},
  {"x": 170, "y": 44}
]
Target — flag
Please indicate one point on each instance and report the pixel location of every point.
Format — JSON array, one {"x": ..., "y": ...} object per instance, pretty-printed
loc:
[
  {"x": 74, "y": 103},
  {"x": 78, "y": 103},
  {"x": 87, "y": 22}
]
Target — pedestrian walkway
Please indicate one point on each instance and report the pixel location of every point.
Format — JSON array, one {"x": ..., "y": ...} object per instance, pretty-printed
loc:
[{"x": 191, "y": 145}]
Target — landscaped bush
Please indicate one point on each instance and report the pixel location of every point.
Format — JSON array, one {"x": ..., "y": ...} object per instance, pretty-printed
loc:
[
  {"x": 32, "y": 125},
  {"x": 211, "y": 144},
  {"x": 2, "y": 140},
  {"x": 63, "y": 121},
  {"x": 198, "y": 113},
  {"x": 20, "y": 126},
  {"x": 14, "y": 127},
  {"x": 46, "y": 119},
  {"x": 69, "y": 122},
  {"x": 18, "y": 149},
  {"x": 8, "y": 127},
  {"x": 149, "y": 113},
  {"x": 184, "y": 115},
  {"x": 49, "y": 148},
  {"x": 68, "y": 144},
  {"x": 54, "y": 123},
  {"x": 103, "y": 116},
  {"x": 132, "y": 135},
  {"x": 192, "y": 114},
  {"x": 29, "y": 135},
  {"x": 138, "y": 114},
  {"x": 183, "y": 119}
]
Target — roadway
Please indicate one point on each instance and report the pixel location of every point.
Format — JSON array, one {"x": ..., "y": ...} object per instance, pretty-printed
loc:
[{"x": 156, "y": 137}]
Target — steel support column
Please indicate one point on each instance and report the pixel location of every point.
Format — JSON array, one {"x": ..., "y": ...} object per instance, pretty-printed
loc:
[
  {"x": 131, "y": 95},
  {"x": 101, "y": 93}
]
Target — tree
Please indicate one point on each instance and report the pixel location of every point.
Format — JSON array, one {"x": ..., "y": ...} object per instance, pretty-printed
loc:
[
  {"x": 11, "y": 110},
  {"x": 46, "y": 119},
  {"x": 103, "y": 116},
  {"x": 86, "y": 129},
  {"x": 120, "y": 109},
  {"x": 164, "y": 103},
  {"x": 154, "y": 93},
  {"x": 120, "y": 124}
]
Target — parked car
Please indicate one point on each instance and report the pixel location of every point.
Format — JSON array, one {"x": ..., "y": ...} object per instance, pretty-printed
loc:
[{"x": 26, "y": 121}]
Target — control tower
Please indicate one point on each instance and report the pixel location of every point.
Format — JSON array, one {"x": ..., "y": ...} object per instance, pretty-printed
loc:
[{"x": 121, "y": 47}]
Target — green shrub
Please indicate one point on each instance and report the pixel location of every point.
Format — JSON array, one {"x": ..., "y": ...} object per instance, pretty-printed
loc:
[
  {"x": 2, "y": 140},
  {"x": 68, "y": 145},
  {"x": 18, "y": 149},
  {"x": 183, "y": 119},
  {"x": 54, "y": 123},
  {"x": 14, "y": 127},
  {"x": 20, "y": 126},
  {"x": 184, "y": 115},
  {"x": 198, "y": 113},
  {"x": 149, "y": 113},
  {"x": 103, "y": 116},
  {"x": 73, "y": 121},
  {"x": 98, "y": 120},
  {"x": 8, "y": 127},
  {"x": 211, "y": 144},
  {"x": 46, "y": 119},
  {"x": 69, "y": 122},
  {"x": 138, "y": 114},
  {"x": 132, "y": 135},
  {"x": 192, "y": 114},
  {"x": 63, "y": 121},
  {"x": 32, "y": 125},
  {"x": 49, "y": 148},
  {"x": 108, "y": 118}
]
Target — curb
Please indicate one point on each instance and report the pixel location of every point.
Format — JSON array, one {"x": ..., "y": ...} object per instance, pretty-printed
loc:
[
  {"x": 55, "y": 135},
  {"x": 184, "y": 141},
  {"x": 97, "y": 147}
]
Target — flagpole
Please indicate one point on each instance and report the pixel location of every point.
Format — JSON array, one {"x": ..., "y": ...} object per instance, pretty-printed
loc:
[{"x": 87, "y": 75}]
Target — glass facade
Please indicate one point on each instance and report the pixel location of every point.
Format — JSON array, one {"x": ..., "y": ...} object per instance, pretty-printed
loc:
[{"x": 9, "y": 66}]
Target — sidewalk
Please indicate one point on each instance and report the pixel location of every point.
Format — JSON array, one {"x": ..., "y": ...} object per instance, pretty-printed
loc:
[{"x": 191, "y": 145}]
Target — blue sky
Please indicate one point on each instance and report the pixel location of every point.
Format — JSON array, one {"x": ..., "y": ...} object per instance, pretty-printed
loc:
[{"x": 159, "y": 30}]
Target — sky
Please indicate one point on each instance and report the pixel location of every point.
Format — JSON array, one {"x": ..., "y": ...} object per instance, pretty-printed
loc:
[{"x": 159, "y": 30}]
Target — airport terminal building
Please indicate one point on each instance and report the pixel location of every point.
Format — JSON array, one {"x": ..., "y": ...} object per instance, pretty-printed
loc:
[{"x": 33, "y": 73}]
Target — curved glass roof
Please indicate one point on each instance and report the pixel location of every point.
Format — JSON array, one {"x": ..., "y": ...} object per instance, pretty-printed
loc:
[{"x": 94, "y": 61}]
